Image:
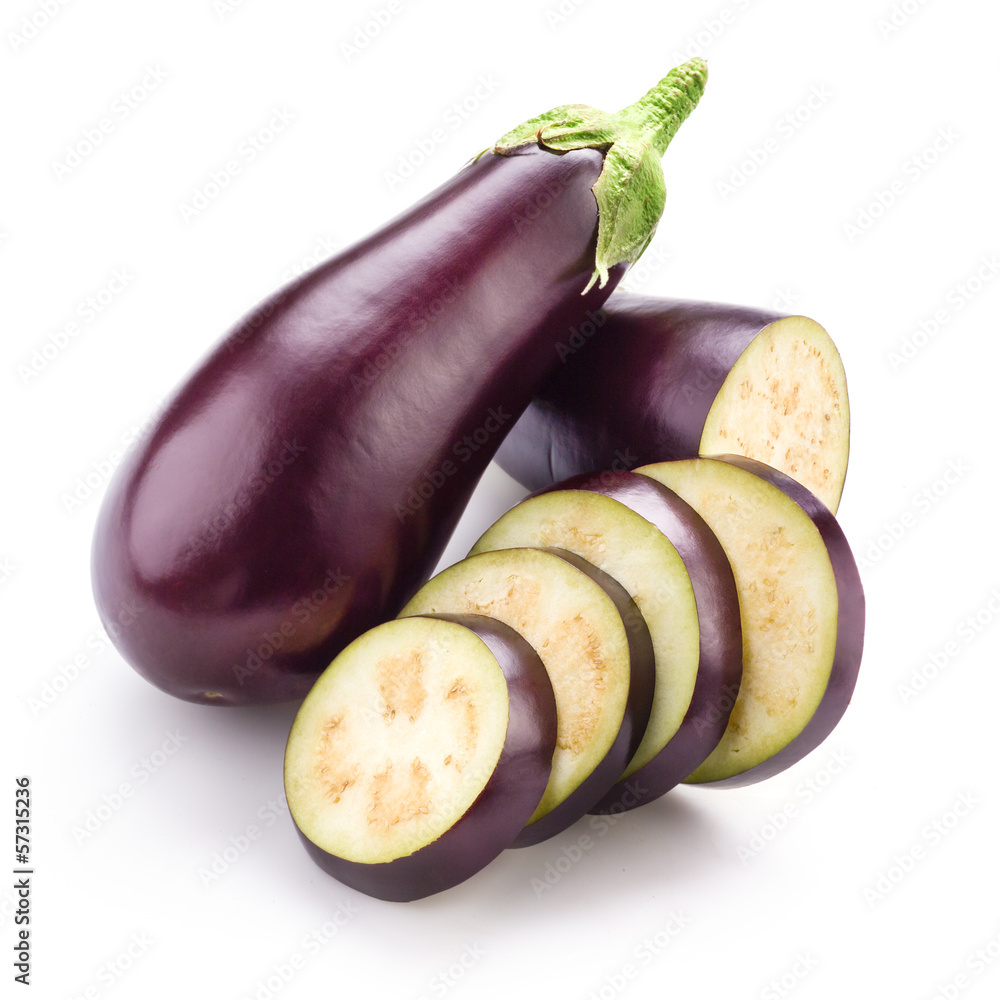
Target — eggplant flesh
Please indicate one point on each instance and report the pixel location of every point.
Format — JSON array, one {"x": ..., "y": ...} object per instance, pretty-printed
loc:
[
  {"x": 420, "y": 753},
  {"x": 304, "y": 480},
  {"x": 666, "y": 379},
  {"x": 594, "y": 645},
  {"x": 665, "y": 556},
  {"x": 801, "y": 606}
]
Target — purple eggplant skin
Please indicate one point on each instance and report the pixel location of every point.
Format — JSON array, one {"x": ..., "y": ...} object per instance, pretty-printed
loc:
[
  {"x": 501, "y": 809},
  {"x": 637, "y": 392},
  {"x": 303, "y": 481},
  {"x": 850, "y": 629},
  {"x": 637, "y": 708},
  {"x": 720, "y": 665}
]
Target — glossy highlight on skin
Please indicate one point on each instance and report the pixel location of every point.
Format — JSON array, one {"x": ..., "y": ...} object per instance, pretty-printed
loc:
[{"x": 303, "y": 481}]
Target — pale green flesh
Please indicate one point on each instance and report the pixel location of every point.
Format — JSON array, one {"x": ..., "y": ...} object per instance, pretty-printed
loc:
[
  {"x": 788, "y": 606},
  {"x": 641, "y": 558},
  {"x": 577, "y": 632},
  {"x": 396, "y": 740},
  {"x": 784, "y": 403}
]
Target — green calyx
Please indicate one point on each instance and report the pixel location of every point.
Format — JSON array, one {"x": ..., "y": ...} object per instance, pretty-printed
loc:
[{"x": 631, "y": 191}]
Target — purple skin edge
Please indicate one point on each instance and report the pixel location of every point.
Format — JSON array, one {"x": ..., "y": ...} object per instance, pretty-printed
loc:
[
  {"x": 500, "y": 810},
  {"x": 638, "y": 704},
  {"x": 720, "y": 666},
  {"x": 638, "y": 392},
  {"x": 850, "y": 629}
]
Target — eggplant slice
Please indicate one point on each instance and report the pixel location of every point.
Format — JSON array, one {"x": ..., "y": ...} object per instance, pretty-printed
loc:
[
  {"x": 801, "y": 604},
  {"x": 596, "y": 649},
  {"x": 672, "y": 565},
  {"x": 420, "y": 753}
]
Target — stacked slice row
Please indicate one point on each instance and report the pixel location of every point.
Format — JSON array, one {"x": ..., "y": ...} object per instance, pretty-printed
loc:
[{"x": 697, "y": 620}]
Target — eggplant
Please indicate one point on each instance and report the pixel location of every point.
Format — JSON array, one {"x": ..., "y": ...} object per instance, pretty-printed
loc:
[
  {"x": 802, "y": 608},
  {"x": 674, "y": 568},
  {"x": 420, "y": 753},
  {"x": 665, "y": 379},
  {"x": 303, "y": 481},
  {"x": 595, "y": 646}
]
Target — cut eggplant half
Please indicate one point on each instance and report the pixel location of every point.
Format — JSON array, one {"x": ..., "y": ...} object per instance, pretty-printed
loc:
[
  {"x": 420, "y": 753},
  {"x": 801, "y": 604},
  {"x": 595, "y": 647},
  {"x": 672, "y": 565},
  {"x": 669, "y": 379}
]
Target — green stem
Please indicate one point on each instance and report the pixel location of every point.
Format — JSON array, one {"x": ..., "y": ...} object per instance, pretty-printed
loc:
[{"x": 630, "y": 191}]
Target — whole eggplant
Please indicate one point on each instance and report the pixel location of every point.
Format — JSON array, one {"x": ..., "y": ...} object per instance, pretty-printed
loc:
[
  {"x": 304, "y": 480},
  {"x": 643, "y": 383}
]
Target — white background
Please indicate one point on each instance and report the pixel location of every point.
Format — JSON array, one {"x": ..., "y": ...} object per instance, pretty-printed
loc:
[{"x": 730, "y": 899}]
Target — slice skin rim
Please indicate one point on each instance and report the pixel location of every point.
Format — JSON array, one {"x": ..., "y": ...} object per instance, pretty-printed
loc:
[
  {"x": 849, "y": 641},
  {"x": 637, "y": 708},
  {"x": 720, "y": 665},
  {"x": 849, "y": 647},
  {"x": 507, "y": 799}
]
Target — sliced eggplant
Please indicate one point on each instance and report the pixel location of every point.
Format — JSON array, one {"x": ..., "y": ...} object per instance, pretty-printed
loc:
[
  {"x": 672, "y": 565},
  {"x": 668, "y": 379},
  {"x": 420, "y": 753},
  {"x": 801, "y": 604},
  {"x": 595, "y": 647}
]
